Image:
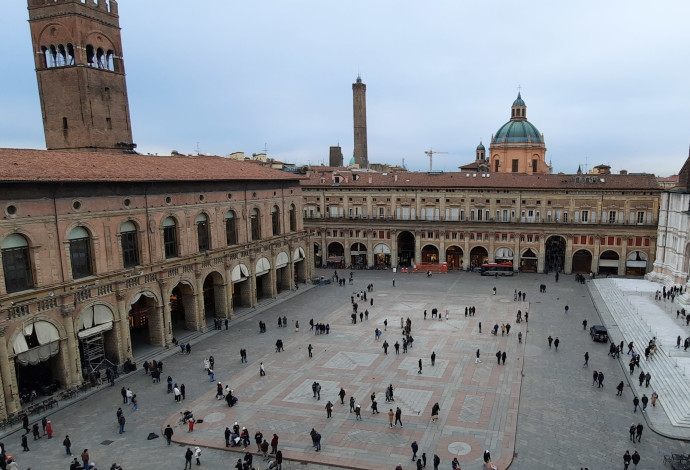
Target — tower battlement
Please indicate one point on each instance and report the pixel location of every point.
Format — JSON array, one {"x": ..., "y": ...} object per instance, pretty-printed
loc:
[{"x": 105, "y": 6}]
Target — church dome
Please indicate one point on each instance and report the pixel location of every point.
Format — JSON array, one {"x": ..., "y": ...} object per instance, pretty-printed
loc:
[
  {"x": 518, "y": 131},
  {"x": 480, "y": 146}
]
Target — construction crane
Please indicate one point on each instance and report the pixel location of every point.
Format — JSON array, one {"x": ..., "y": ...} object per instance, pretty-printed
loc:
[{"x": 431, "y": 153}]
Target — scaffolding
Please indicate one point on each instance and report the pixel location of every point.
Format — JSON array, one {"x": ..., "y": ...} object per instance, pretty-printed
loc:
[{"x": 93, "y": 354}]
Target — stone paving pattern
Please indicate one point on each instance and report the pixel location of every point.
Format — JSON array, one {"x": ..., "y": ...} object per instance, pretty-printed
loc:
[{"x": 562, "y": 420}]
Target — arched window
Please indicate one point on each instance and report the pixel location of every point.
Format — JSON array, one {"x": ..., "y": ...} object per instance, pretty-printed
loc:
[
  {"x": 44, "y": 59},
  {"x": 109, "y": 64},
  {"x": 16, "y": 263},
  {"x": 202, "y": 232},
  {"x": 90, "y": 56},
  {"x": 255, "y": 220},
  {"x": 52, "y": 57},
  {"x": 61, "y": 56},
  {"x": 100, "y": 58},
  {"x": 293, "y": 218},
  {"x": 231, "y": 228},
  {"x": 80, "y": 252},
  {"x": 70, "y": 54},
  {"x": 130, "y": 247},
  {"x": 170, "y": 237},
  {"x": 275, "y": 220}
]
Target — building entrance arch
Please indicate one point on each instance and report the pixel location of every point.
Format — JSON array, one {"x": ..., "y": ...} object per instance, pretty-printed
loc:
[
  {"x": 478, "y": 256},
  {"x": 282, "y": 263},
  {"x": 636, "y": 264},
  {"x": 503, "y": 255},
  {"x": 182, "y": 308},
  {"x": 430, "y": 254},
  {"x": 143, "y": 318},
  {"x": 336, "y": 256},
  {"x": 608, "y": 262},
  {"x": 554, "y": 254},
  {"x": 262, "y": 272},
  {"x": 382, "y": 256},
  {"x": 318, "y": 261},
  {"x": 582, "y": 262},
  {"x": 406, "y": 249},
  {"x": 358, "y": 255},
  {"x": 97, "y": 341},
  {"x": 528, "y": 261},
  {"x": 241, "y": 287},
  {"x": 454, "y": 257},
  {"x": 214, "y": 297},
  {"x": 38, "y": 359}
]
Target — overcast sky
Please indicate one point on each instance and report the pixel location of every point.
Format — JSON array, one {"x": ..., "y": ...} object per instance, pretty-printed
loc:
[{"x": 605, "y": 82}]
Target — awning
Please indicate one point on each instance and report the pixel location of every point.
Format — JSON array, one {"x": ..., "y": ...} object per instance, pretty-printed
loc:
[
  {"x": 281, "y": 260},
  {"x": 48, "y": 339},
  {"x": 609, "y": 263},
  {"x": 636, "y": 264},
  {"x": 139, "y": 295},
  {"x": 382, "y": 248},
  {"x": 263, "y": 266},
  {"x": 298, "y": 255},
  {"x": 335, "y": 259},
  {"x": 94, "y": 320},
  {"x": 239, "y": 273}
]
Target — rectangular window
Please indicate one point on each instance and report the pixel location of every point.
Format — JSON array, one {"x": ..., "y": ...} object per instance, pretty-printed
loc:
[
  {"x": 382, "y": 212},
  {"x": 17, "y": 268},
  {"x": 515, "y": 166},
  {"x": 130, "y": 251},
  {"x": 640, "y": 217},
  {"x": 505, "y": 215},
  {"x": 565, "y": 217},
  {"x": 487, "y": 215},
  {"x": 585, "y": 216},
  {"x": 80, "y": 255},
  {"x": 170, "y": 241},
  {"x": 612, "y": 217},
  {"x": 462, "y": 214}
]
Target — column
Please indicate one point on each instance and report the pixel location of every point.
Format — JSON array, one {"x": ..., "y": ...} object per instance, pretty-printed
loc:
[
  {"x": 71, "y": 348},
  {"x": 541, "y": 256},
  {"x": 229, "y": 307},
  {"x": 492, "y": 247},
  {"x": 163, "y": 324},
  {"x": 568, "y": 261},
  {"x": 417, "y": 247},
  {"x": 466, "y": 252},
  {"x": 199, "y": 310},
  {"x": 394, "y": 249},
  {"x": 121, "y": 326},
  {"x": 442, "y": 245},
  {"x": 9, "y": 382},
  {"x": 624, "y": 257},
  {"x": 597, "y": 252},
  {"x": 517, "y": 258}
]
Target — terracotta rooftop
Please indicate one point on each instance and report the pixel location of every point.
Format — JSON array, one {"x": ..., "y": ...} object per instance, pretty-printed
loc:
[
  {"x": 64, "y": 166},
  {"x": 469, "y": 179}
]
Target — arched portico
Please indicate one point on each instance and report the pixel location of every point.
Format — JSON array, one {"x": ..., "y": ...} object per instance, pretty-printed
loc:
[
  {"x": 582, "y": 261},
  {"x": 406, "y": 249},
  {"x": 336, "y": 255},
  {"x": 382, "y": 256},
  {"x": 478, "y": 256},
  {"x": 528, "y": 261},
  {"x": 636, "y": 263},
  {"x": 430, "y": 254},
  {"x": 608, "y": 262},
  {"x": 358, "y": 255},
  {"x": 454, "y": 257},
  {"x": 555, "y": 253}
]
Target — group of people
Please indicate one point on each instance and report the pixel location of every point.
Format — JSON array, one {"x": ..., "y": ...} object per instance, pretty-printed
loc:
[{"x": 421, "y": 461}]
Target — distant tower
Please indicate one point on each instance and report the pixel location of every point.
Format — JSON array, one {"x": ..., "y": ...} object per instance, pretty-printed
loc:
[
  {"x": 359, "y": 101},
  {"x": 335, "y": 157},
  {"x": 81, "y": 74}
]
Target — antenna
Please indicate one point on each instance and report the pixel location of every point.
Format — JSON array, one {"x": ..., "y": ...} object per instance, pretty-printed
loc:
[{"x": 197, "y": 149}]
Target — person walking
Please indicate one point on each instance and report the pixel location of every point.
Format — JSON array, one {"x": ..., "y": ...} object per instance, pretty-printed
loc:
[
  {"x": 310, "y": 348},
  {"x": 420, "y": 366},
  {"x": 638, "y": 430},
  {"x": 135, "y": 403},
  {"x": 586, "y": 364},
  {"x": 390, "y": 417},
  {"x": 503, "y": 357},
  {"x": 329, "y": 409},
  {"x": 415, "y": 448},
  {"x": 25, "y": 443},
  {"x": 600, "y": 379},
  {"x": 168, "y": 433},
  {"x": 647, "y": 378},
  {"x": 183, "y": 391},
  {"x": 595, "y": 377},
  {"x": 358, "y": 413},
  {"x": 352, "y": 404},
  {"x": 434, "y": 412},
  {"x": 644, "y": 401},
  {"x": 620, "y": 389},
  {"x": 477, "y": 360},
  {"x": 635, "y": 458},
  {"x": 498, "y": 357},
  {"x": 49, "y": 430},
  {"x": 398, "y": 416},
  {"x": 433, "y": 358},
  {"x": 121, "y": 421},
  {"x": 68, "y": 445},
  {"x": 636, "y": 403},
  {"x": 632, "y": 431},
  {"x": 626, "y": 459},
  {"x": 317, "y": 441},
  {"x": 437, "y": 461},
  {"x": 655, "y": 397},
  {"x": 342, "y": 395},
  {"x": 123, "y": 392},
  {"x": 550, "y": 340},
  {"x": 556, "y": 342},
  {"x": 258, "y": 438},
  {"x": 197, "y": 455},
  {"x": 262, "y": 371},
  {"x": 264, "y": 449},
  {"x": 385, "y": 347}
]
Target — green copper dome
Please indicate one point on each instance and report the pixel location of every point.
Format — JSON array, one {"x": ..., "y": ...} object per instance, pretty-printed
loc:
[
  {"x": 518, "y": 131},
  {"x": 518, "y": 101},
  {"x": 480, "y": 146}
]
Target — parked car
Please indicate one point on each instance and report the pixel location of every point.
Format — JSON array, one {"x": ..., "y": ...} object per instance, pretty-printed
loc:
[{"x": 599, "y": 333}]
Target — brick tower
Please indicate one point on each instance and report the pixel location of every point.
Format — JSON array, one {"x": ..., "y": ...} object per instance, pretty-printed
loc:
[
  {"x": 359, "y": 101},
  {"x": 81, "y": 74}
]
